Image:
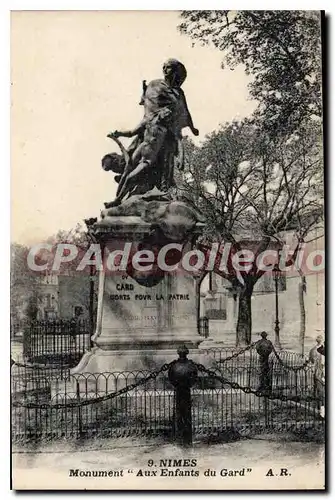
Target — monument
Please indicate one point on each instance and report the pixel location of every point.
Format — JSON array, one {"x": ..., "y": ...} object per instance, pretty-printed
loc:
[{"x": 146, "y": 311}]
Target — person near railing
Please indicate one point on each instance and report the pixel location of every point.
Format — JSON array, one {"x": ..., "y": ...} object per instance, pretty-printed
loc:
[
  {"x": 316, "y": 359},
  {"x": 264, "y": 348},
  {"x": 320, "y": 378},
  {"x": 313, "y": 353}
]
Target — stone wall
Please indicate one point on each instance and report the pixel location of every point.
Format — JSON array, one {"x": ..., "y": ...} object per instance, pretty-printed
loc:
[{"x": 263, "y": 313}]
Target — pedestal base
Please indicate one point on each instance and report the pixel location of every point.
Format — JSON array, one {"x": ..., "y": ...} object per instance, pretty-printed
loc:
[
  {"x": 142, "y": 317},
  {"x": 101, "y": 361},
  {"x": 101, "y": 372}
]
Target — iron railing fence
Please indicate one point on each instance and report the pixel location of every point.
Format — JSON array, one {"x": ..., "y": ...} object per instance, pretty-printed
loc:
[
  {"x": 288, "y": 370},
  {"x": 61, "y": 342},
  {"x": 240, "y": 366},
  {"x": 77, "y": 406},
  {"x": 28, "y": 379}
]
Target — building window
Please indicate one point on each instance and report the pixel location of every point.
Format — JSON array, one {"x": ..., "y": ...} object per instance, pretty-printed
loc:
[
  {"x": 78, "y": 311},
  {"x": 266, "y": 284}
]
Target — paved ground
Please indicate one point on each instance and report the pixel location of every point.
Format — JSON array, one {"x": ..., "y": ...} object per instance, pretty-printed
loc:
[{"x": 49, "y": 467}]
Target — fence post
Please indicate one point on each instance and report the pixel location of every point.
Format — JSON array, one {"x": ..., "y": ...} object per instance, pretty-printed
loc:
[
  {"x": 182, "y": 375},
  {"x": 80, "y": 418},
  {"x": 26, "y": 340}
]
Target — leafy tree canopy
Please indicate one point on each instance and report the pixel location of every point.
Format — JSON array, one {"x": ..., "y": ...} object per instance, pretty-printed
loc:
[{"x": 280, "y": 49}]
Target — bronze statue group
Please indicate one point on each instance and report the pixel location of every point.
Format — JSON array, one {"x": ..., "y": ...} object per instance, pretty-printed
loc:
[{"x": 157, "y": 147}]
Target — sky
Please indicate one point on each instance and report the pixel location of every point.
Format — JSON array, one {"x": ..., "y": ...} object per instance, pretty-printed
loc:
[{"x": 75, "y": 76}]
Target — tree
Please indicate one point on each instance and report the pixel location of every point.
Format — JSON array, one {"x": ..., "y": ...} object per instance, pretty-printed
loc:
[
  {"x": 301, "y": 292},
  {"x": 280, "y": 49},
  {"x": 23, "y": 286},
  {"x": 77, "y": 236},
  {"x": 26, "y": 284},
  {"x": 252, "y": 189},
  {"x": 85, "y": 289}
]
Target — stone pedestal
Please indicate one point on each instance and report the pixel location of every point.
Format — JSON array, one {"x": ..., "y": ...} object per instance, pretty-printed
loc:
[{"x": 140, "y": 327}]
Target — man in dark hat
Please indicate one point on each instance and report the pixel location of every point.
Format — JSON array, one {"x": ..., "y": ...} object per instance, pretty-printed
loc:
[{"x": 264, "y": 348}]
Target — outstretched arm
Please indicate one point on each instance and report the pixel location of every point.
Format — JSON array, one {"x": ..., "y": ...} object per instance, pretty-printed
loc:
[
  {"x": 129, "y": 133},
  {"x": 194, "y": 130}
]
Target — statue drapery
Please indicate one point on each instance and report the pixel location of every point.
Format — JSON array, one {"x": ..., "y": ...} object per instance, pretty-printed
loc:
[{"x": 157, "y": 148}]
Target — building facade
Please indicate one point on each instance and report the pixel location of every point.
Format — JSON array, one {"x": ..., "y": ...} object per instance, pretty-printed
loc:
[
  {"x": 221, "y": 305},
  {"x": 66, "y": 297}
]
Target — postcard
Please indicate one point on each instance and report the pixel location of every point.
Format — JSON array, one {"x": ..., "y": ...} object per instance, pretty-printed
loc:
[{"x": 167, "y": 250}]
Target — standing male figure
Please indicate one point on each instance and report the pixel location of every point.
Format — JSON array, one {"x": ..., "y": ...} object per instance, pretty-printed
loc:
[
  {"x": 313, "y": 353},
  {"x": 264, "y": 348},
  {"x": 320, "y": 377},
  {"x": 165, "y": 115}
]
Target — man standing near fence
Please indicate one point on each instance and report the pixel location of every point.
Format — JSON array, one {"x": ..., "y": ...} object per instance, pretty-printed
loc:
[
  {"x": 320, "y": 378},
  {"x": 313, "y": 353},
  {"x": 316, "y": 358},
  {"x": 264, "y": 348}
]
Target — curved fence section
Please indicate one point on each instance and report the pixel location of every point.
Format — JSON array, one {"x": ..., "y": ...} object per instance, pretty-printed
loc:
[{"x": 235, "y": 391}]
